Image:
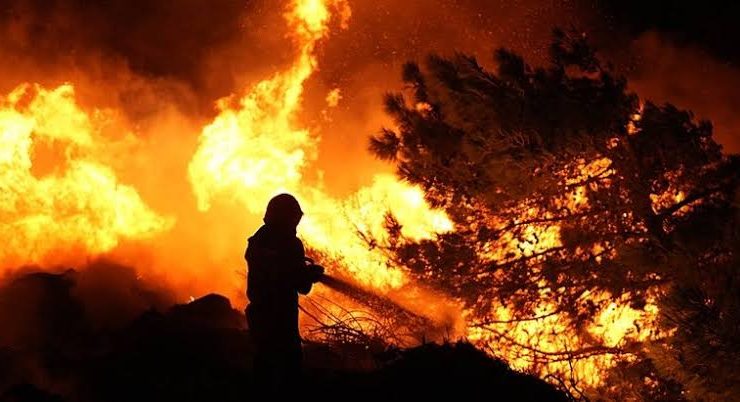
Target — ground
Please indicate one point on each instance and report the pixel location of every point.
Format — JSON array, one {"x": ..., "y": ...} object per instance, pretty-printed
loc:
[{"x": 51, "y": 350}]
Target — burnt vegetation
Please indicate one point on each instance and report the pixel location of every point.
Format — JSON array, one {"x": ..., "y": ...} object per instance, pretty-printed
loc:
[{"x": 643, "y": 200}]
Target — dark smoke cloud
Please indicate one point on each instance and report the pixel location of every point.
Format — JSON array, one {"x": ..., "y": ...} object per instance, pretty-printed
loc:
[
  {"x": 189, "y": 52},
  {"x": 679, "y": 52},
  {"x": 691, "y": 78},
  {"x": 710, "y": 25},
  {"x": 157, "y": 38}
]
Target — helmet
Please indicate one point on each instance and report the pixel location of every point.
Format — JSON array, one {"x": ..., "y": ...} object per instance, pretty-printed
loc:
[{"x": 283, "y": 210}]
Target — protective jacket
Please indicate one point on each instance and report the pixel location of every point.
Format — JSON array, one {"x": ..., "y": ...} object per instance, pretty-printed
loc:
[{"x": 277, "y": 273}]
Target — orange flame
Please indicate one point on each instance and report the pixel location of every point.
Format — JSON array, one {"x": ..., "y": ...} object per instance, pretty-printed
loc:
[
  {"x": 77, "y": 205},
  {"x": 61, "y": 200},
  {"x": 255, "y": 149}
]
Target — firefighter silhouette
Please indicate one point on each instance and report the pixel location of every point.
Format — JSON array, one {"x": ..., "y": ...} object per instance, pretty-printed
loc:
[{"x": 277, "y": 273}]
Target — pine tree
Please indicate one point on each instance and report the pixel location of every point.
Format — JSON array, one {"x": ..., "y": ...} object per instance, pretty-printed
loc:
[{"x": 562, "y": 185}]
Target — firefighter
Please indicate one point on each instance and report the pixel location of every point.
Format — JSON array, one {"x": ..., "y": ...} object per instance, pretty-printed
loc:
[{"x": 277, "y": 273}]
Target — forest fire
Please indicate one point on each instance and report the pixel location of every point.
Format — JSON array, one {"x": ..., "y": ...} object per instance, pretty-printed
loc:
[
  {"x": 253, "y": 149},
  {"x": 410, "y": 256},
  {"x": 61, "y": 202}
]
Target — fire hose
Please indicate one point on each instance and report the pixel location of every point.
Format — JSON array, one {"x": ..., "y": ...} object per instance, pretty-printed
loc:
[{"x": 374, "y": 301}]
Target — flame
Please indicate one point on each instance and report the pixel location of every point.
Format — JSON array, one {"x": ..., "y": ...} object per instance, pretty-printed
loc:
[
  {"x": 48, "y": 217},
  {"x": 541, "y": 344},
  {"x": 255, "y": 149},
  {"x": 333, "y": 97},
  {"x": 62, "y": 201}
]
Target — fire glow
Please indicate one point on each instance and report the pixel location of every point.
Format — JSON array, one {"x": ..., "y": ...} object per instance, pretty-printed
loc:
[{"x": 64, "y": 203}]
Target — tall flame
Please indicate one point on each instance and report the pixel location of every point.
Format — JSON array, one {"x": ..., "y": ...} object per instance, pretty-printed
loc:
[
  {"x": 255, "y": 149},
  {"x": 61, "y": 201},
  {"x": 78, "y": 204}
]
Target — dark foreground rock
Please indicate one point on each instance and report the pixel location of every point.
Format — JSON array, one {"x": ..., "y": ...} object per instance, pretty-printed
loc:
[{"x": 51, "y": 349}]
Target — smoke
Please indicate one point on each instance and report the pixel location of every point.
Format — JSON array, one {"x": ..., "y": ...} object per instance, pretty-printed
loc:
[
  {"x": 154, "y": 71},
  {"x": 160, "y": 65},
  {"x": 168, "y": 45},
  {"x": 364, "y": 62},
  {"x": 169, "y": 61},
  {"x": 142, "y": 56},
  {"x": 146, "y": 57},
  {"x": 690, "y": 78}
]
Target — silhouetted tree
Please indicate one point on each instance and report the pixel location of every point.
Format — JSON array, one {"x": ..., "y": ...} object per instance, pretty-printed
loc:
[{"x": 567, "y": 191}]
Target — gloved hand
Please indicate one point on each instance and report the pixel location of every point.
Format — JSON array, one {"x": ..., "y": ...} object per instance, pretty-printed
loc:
[{"x": 316, "y": 272}]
